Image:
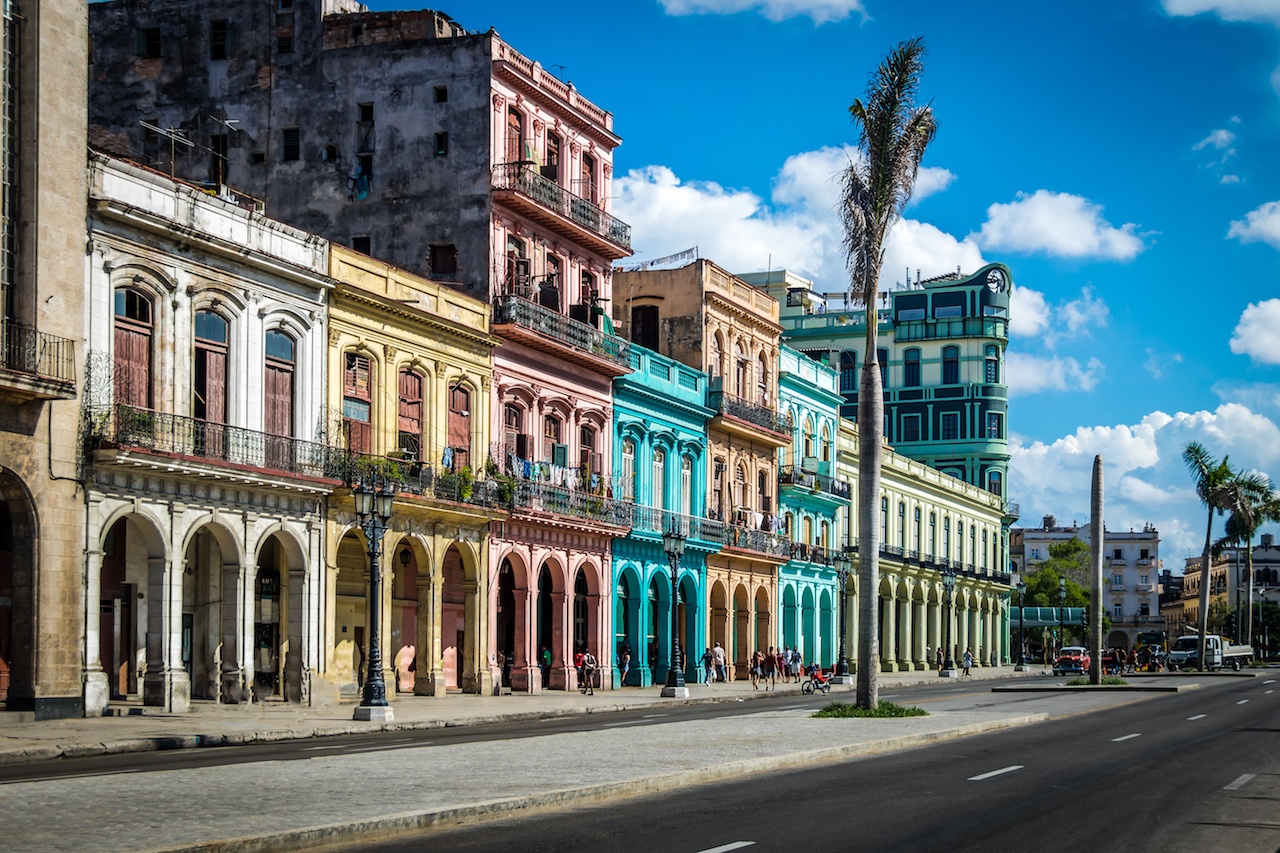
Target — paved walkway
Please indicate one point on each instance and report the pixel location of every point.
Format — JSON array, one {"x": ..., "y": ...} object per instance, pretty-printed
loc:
[{"x": 318, "y": 797}]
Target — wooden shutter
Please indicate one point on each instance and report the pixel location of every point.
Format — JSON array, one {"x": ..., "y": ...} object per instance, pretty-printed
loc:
[
  {"x": 279, "y": 400},
  {"x": 410, "y": 414},
  {"x": 132, "y": 366}
]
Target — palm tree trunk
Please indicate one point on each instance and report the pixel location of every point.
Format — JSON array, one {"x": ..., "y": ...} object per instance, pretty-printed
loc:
[
  {"x": 870, "y": 454},
  {"x": 1206, "y": 580},
  {"x": 1248, "y": 619}
]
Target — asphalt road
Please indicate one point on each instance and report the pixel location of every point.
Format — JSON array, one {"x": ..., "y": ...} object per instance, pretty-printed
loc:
[
  {"x": 1196, "y": 771},
  {"x": 303, "y": 749}
]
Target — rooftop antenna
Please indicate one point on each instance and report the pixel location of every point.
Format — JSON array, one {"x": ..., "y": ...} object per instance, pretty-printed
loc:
[
  {"x": 229, "y": 124},
  {"x": 175, "y": 138},
  {"x": 560, "y": 69}
]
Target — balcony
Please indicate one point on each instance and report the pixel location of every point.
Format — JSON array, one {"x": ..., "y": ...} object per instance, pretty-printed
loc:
[
  {"x": 804, "y": 553},
  {"x": 35, "y": 365},
  {"x": 125, "y": 436},
  {"x": 418, "y": 479},
  {"x": 1117, "y": 561},
  {"x": 544, "y": 201},
  {"x": 1145, "y": 587},
  {"x": 1119, "y": 587},
  {"x": 1012, "y": 511},
  {"x": 648, "y": 519},
  {"x": 1146, "y": 561},
  {"x": 960, "y": 327},
  {"x": 538, "y": 327},
  {"x": 543, "y": 499},
  {"x": 750, "y": 420},
  {"x": 821, "y": 484},
  {"x": 773, "y": 545}
]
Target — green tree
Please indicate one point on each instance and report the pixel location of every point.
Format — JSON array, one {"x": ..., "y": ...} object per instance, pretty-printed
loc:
[
  {"x": 1247, "y": 516},
  {"x": 893, "y": 136},
  {"x": 1221, "y": 489}
]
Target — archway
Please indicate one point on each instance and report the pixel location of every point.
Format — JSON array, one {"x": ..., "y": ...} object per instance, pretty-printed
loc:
[
  {"x": 790, "y": 617},
  {"x": 764, "y": 631},
  {"x": 741, "y": 630},
  {"x": 689, "y": 619},
  {"x": 626, "y": 617},
  {"x": 658, "y": 632},
  {"x": 351, "y": 614},
  {"x": 207, "y": 611},
  {"x": 546, "y": 629},
  {"x": 720, "y": 620},
  {"x": 826, "y": 630},
  {"x": 581, "y": 613},
  {"x": 1118, "y": 640},
  {"x": 505, "y": 621},
  {"x": 404, "y": 616},
  {"x": 454, "y": 636},
  {"x": 809, "y": 627}
]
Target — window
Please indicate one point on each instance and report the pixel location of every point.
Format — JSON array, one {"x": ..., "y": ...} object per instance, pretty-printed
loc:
[
  {"x": 1035, "y": 553},
  {"x": 992, "y": 372},
  {"x": 742, "y": 375},
  {"x": 995, "y": 483},
  {"x": 848, "y": 372},
  {"x": 644, "y": 326},
  {"x": 1117, "y": 554},
  {"x": 410, "y": 414},
  {"x": 808, "y": 438},
  {"x": 1144, "y": 554},
  {"x": 219, "y": 40},
  {"x": 442, "y": 144},
  {"x": 917, "y": 530},
  {"x": 133, "y": 327},
  {"x": 284, "y": 43},
  {"x": 551, "y": 166},
  {"x": 911, "y": 368},
  {"x": 361, "y": 244},
  {"x": 291, "y": 144},
  {"x": 882, "y": 356},
  {"x": 146, "y": 42},
  {"x": 1144, "y": 609},
  {"x": 995, "y": 425},
  {"x": 551, "y": 440},
  {"x": 973, "y": 545},
  {"x": 715, "y": 360},
  {"x": 1117, "y": 613},
  {"x": 587, "y": 184},
  {"x": 364, "y": 166},
  {"x": 515, "y": 125},
  {"x": 762, "y": 493},
  {"x": 549, "y": 287},
  {"x": 440, "y": 94},
  {"x": 717, "y": 489},
  {"x": 1117, "y": 578},
  {"x": 278, "y": 397},
  {"x": 941, "y": 311},
  {"x": 884, "y": 519},
  {"x": 950, "y": 365},
  {"x": 910, "y": 427},
  {"x": 444, "y": 259},
  {"x": 686, "y": 485},
  {"x": 459, "y": 427},
  {"x": 950, "y": 426},
  {"x": 946, "y": 538},
  {"x": 902, "y": 525},
  {"x": 959, "y": 543},
  {"x": 933, "y": 533},
  {"x": 826, "y": 444},
  {"x": 1144, "y": 579},
  {"x": 209, "y": 388},
  {"x": 984, "y": 549},
  {"x": 659, "y": 479},
  {"x": 588, "y": 461},
  {"x": 357, "y": 396},
  {"x": 762, "y": 382},
  {"x": 515, "y": 442},
  {"x": 628, "y": 470}
]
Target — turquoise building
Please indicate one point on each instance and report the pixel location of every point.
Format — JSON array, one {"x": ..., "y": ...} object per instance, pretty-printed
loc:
[
  {"x": 660, "y": 457},
  {"x": 814, "y": 505}
]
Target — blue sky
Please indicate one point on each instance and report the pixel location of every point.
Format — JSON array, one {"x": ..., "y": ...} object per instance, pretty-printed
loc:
[{"x": 1119, "y": 155}]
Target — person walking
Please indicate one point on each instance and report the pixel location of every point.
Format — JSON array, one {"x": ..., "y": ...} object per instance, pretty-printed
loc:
[
  {"x": 755, "y": 670},
  {"x": 968, "y": 662},
  {"x": 939, "y": 658},
  {"x": 767, "y": 663},
  {"x": 625, "y": 665},
  {"x": 718, "y": 654},
  {"x": 779, "y": 668},
  {"x": 708, "y": 666}
]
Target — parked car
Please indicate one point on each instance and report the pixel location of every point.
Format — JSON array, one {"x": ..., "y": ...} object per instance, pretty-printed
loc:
[{"x": 1071, "y": 659}]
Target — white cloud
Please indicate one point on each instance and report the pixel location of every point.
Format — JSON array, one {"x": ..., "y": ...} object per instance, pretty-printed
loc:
[
  {"x": 1219, "y": 139},
  {"x": 1255, "y": 334},
  {"x": 1230, "y": 179},
  {"x": 1057, "y": 224},
  {"x": 798, "y": 228},
  {"x": 1144, "y": 476},
  {"x": 1228, "y": 10},
  {"x": 821, "y": 11},
  {"x": 1261, "y": 224},
  {"x": 1028, "y": 312},
  {"x": 1030, "y": 315},
  {"x": 1031, "y": 374},
  {"x": 1157, "y": 362}
]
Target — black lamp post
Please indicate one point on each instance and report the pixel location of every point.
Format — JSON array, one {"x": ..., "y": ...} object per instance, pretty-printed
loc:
[
  {"x": 948, "y": 591},
  {"x": 1062, "y": 604},
  {"x": 1022, "y": 636},
  {"x": 373, "y": 507},
  {"x": 673, "y": 544},
  {"x": 842, "y": 563}
]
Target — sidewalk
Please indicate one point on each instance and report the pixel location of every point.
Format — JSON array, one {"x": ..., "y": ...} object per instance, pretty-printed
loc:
[{"x": 223, "y": 725}]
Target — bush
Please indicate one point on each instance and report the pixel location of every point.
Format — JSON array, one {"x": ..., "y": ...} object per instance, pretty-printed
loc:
[
  {"x": 884, "y": 709},
  {"x": 1112, "y": 680}
]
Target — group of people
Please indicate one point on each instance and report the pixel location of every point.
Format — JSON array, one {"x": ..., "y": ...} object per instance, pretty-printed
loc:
[{"x": 966, "y": 662}]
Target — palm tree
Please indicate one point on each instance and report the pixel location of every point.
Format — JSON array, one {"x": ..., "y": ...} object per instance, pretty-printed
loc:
[
  {"x": 1247, "y": 516},
  {"x": 893, "y": 135},
  {"x": 1221, "y": 489}
]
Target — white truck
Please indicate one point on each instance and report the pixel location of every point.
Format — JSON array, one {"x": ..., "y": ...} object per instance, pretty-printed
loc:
[{"x": 1185, "y": 653}]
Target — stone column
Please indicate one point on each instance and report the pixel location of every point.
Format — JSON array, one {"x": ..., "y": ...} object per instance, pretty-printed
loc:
[
  {"x": 904, "y": 651},
  {"x": 297, "y": 687},
  {"x": 888, "y": 635},
  {"x": 166, "y": 684},
  {"x": 428, "y": 673},
  {"x": 921, "y": 641},
  {"x": 97, "y": 689}
]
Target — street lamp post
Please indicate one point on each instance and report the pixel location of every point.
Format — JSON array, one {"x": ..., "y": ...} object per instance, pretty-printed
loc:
[
  {"x": 1062, "y": 603},
  {"x": 373, "y": 507},
  {"x": 842, "y": 564},
  {"x": 1022, "y": 637},
  {"x": 948, "y": 591},
  {"x": 673, "y": 544}
]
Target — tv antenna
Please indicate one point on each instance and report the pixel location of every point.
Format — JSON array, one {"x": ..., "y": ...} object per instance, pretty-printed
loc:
[
  {"x": 560, "y": 69},
  {"x": 175, "y": 137}
]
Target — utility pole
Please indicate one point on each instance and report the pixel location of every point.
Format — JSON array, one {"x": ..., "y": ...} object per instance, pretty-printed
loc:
[{"x": 1097, "y": 531}]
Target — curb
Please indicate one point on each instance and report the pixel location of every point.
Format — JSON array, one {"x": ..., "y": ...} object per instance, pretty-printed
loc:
[
  {"x": 1101, "y": 688},
  {"x": 412, "y": 822}
]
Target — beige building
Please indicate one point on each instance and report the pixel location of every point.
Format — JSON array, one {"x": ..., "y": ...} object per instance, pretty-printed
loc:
[
  {"x": 42, "y": 258},
  {"x": 409, "y": 363},
  {"x": 707, "y": 318}
]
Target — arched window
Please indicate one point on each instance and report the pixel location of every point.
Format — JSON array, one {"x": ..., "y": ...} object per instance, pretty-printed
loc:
[
  {"x": 515, "y": 135},
  {"x": 513, "y": 436},
  {"x": 960, "y": 543},
  {"x": 209, "y": 385},
  {"x": 950, "y": 365},
  {"x": 589, "y": 460},
  {"x": 848, "y": 372},
  {"x": 884, "y": 519},
  {"x": 762, "y": 382},
  {"x": 409, "y": 414},
  {"x": 902, "y": 525},
  {"x": 459, "y": 426},
  {"x": 826, "y": 444},
  {"x": 808, "y": 438},
  {"x": 984, "y": 550},
  {"x": 551, "y": 446},
  {"x": 973, "y": 546},
  {"x": 825, "y": 540},
  {"x": 763, "y": 504},
  {"x": 933, "y": 534},
  {"x": 628, "y": 469},
  {"x": 659, "y": 478},
  {"x": 995, "y": 483},
  {"x": 587, "y": 185},
  {"x": 278, "y": 397},
  {"x": 718, "y": 468},
  {"x": 742, "y": 373},
  {"x": 946, "y": 538},
  {"x": 911, "y": 368},
  {"x": 807, "y": 531},
  {"x": 715, "y": 360},
  {"x": 357, "y": 405},
  {"x": 134, "y": 325},
  {"x": 686, "y": 485}
]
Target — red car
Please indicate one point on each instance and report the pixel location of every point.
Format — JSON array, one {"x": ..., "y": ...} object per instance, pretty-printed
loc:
[{"x": 1071, "y": 659}]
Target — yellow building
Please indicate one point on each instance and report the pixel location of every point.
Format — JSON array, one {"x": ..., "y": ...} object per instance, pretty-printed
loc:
[{"x": 408, "y": 399}]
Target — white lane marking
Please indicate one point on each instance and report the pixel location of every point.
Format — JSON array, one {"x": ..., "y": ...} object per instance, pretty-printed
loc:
[
  {"x": 655, "y": 716},
  {"x": 1198, "y": 717},
  {"x": 628, "y": 723},
  {"x": 1242, "y": 701},
  {"x": 318, "y": 748},
  {"x": 1239, "y": 783},
  {"x": 1009, "y": 769},
  {"x": 1268, "y": 691},
  {"x": 1126, "y": 737},
  {"x": 1269, "y": 681},
  {"x": 725, "y": 848}
]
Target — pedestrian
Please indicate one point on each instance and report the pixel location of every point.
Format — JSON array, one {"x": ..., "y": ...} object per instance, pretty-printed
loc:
[
  {"x": 767, "y": 672},
  {"x": 1133, "y": 659},
  {"x": 968, "y": 662},
  {"x": 718, "y": 655},
  {"x": 625, "y": 664},
  {"x": 544, "y": 661},
  {"x": 589, "y": 672},
  {"x": 708, "y": 666},
  {"x": 779, "y": 668},
  {"x": 796, "y": 662},
  {"x": 939, "y": 656},
  {"x": 755, "y": 669},
  {"x": 578, "y": 658}
]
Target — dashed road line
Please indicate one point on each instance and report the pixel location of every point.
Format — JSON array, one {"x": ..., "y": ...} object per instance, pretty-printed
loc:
[
  {"x": 628, "y": 723},
  {"x": 1269, "y": 681},
  {"x": 725, "y": 848},
  {"x": 1239, "y": 782},
  {"x": 1242, "y": 701},
  {"x": 1126, "y": 737},
  {"x": 655, "y": 716},
  {"x": 999, "y": 772},
  {"x": 1198, "y": 717},
  {"x": 1268, "y": 691}
]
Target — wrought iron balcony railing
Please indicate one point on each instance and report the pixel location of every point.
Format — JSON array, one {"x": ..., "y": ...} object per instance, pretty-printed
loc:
[
  {"x": 794, "y": 475},
  {"x": 524, "y": 180},
  {"x": 813, "y": 553},
  {"x": 648, "y": 519},
  {"x": 510, "y": 308},
  {"x": 412, "y": 477},
  {"x": 724, "y": 403},
  {"x": 25, "y": 350},
  {"x": 161, "y": 432},
  {"x": 557, "y": 500},
  {"x": 760, "y": 541}
]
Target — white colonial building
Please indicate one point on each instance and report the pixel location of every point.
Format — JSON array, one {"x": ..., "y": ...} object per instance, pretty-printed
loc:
[{"x": 205, "y": 475}]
